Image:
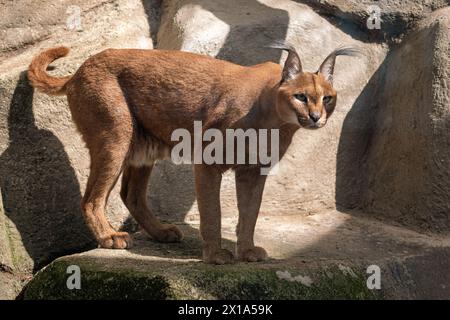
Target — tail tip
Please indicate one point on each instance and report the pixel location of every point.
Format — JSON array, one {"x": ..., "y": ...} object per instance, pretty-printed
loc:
[{"x": 60, "y": 51}]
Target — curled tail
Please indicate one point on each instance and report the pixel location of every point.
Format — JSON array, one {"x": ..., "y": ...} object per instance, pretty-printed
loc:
[{"x": 38, "y": 76}]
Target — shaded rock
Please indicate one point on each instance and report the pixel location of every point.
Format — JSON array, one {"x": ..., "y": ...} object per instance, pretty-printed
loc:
[
  {"x": 168, "y": 280},
  {"x": 397, "y": 16},
  {"x": 394, "y": 157},
  {"x": 6, "y": 260},
  {"x": 10, "y": 282}
]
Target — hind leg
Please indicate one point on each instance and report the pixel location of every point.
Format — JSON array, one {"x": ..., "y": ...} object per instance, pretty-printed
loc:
[
  {"x": 134, "y": 195},
  {"x": 103, "y": 118},
  {"x": 106, "y": 126},
  {"x": 106, "y": 165}
]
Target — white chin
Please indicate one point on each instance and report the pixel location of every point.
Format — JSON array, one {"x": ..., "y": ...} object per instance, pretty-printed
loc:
[
  {"x": 320, "y": 124},
  {"x": 313, "y": 125}
]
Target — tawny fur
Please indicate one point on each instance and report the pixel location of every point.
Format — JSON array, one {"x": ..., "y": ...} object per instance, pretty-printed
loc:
[
  {"x": 126, "y": 104},
  {"x": 40, "y": 79}
]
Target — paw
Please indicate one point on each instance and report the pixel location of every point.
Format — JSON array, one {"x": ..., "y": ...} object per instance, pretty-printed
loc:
[
  {"x": 168, "y": 233},
  {"x": 117, "y": 240},
  {"x": 219, "y": 256},
  {"x": 252, "y": 255}
]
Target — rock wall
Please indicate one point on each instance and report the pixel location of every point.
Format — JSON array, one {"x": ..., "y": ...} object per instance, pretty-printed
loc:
[
  {"x": 241, "y": 33},
  {"x": 399, "y": 165},
  {"x": 384, "y": 151},
  {"x": 397, "y": 15}
]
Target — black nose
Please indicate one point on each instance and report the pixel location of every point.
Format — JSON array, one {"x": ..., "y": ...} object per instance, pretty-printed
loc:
[{"x": 315, "y": 116}]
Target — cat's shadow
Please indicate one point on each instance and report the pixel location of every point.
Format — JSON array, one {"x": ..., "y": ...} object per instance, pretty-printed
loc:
[{"x": 40, "y": 191}]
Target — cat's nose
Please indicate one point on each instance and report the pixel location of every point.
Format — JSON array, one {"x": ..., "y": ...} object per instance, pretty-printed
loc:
[{"x": 314, "y": 115}]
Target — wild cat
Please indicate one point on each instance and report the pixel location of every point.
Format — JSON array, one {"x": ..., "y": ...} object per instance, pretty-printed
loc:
[{"x": 127, "y": 102}]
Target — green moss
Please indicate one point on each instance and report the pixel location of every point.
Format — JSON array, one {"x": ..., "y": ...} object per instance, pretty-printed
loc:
[
  {"x": 243, "y": 282},
  {"x": 50, "y": 283}
]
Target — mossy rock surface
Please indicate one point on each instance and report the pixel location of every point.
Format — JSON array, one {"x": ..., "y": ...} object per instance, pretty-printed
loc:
[
  {"x": 336, "y": 268},
  {"x": 165, "y": 279}
]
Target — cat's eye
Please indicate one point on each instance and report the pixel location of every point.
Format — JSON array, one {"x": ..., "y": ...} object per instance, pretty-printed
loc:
[
  {"x": 301, "y": 97},
  {"x": 326, "y": 99}
]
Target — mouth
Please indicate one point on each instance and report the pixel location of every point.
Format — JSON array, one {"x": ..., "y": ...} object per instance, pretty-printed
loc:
[{"x": 309, "y": 124}]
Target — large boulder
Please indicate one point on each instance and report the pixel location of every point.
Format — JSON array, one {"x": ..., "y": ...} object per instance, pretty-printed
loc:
[
  {"x": 309, "y": 260},
  {"x": 396, "y": 16},
  {"x": 393, "y": 157},
  {"x": 229, "y": 30}
]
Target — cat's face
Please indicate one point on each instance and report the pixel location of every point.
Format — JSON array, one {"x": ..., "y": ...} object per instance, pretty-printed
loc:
[
  {"x": 304, "y": 98},
  {"x": 307, "y": 100}
]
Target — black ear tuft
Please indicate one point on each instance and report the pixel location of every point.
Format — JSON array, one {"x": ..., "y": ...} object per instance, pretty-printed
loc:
[
  {"x": 292, "y": 65},
  {"x": 327, "y": 66}
]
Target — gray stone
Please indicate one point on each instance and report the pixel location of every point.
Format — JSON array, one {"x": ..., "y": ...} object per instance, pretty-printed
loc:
[
  {"x": 6, "y": 261},
  {"x": 324, "y": 256},
  {"x": 10, "y": 284},
  {"x": 397, "y": 16},
  {"x": 393, "y": 158},
  {"x": 241, "y": 33}
]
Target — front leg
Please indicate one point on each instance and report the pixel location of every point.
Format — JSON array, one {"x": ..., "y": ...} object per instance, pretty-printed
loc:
[
  {"x": 249, "y": 189},
  {"x": 207, "y": 187}
]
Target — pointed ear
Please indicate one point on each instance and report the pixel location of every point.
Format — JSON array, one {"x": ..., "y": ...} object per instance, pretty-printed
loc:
[
  {"x": 292, "y": 65},
  {"x": 327, "y": 66}
]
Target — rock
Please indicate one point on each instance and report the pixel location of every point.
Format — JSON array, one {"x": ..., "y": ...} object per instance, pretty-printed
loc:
[
  {"x": 397, "y": 16},
  {"x": 6, "y": 260},
  {"x": 168, "y": 280},
  {"x": 311, "y": 260},
  {"x": 43, "y": 162},
  {"x": 10, "y": 286},
  {"x": 383, "y": 153},
  {"x": 393, "y": 157},
  {"x": 366, "y": 157},
  {"x": 10, "y": 282},
  {"x": 241, "y": 33}
]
